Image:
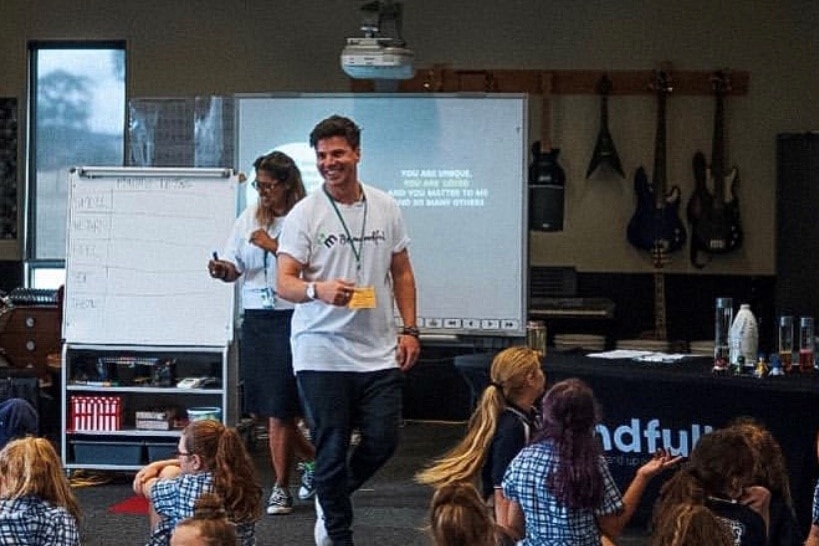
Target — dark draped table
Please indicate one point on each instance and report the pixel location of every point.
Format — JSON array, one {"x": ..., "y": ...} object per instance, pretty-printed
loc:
[{"x": 651, "y": 405}]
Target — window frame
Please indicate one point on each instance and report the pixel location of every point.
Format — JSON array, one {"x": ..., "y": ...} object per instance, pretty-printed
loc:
[{"x": 30, "y": 260}]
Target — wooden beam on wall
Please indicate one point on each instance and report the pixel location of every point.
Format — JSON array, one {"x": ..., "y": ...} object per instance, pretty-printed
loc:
[{"x": 440, "y": 79}]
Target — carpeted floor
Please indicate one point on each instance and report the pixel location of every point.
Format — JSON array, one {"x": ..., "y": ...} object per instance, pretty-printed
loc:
[{"x": 391, "y": 510}]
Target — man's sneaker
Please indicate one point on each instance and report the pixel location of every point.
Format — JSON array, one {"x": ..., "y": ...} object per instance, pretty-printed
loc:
[
  {"x": 308, "y": 486},
  {"x": 280, "y": 502},
  {"x": 320, "y": 531}
]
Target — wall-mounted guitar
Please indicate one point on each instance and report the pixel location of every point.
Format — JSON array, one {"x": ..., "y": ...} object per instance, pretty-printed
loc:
[
  {"x": 656, "y": 222},
  {"x": 547, "y": 179},
  {"x": 715, "y": 224},
  {"x": 656, "y": 225},
  {"x": 604, "y": 150}
]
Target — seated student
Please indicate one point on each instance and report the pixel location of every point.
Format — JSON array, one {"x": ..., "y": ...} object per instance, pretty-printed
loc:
[
  {"x": 18, "y": 418},
  {"x": 211, "y": 458},
  {"x": 560, "y": 488},
  {"x": 459, "y": 517},
  {"x": 719, "y": 476},
  {"x": 501, "y": 425},
  {"x": 208, "y": 526},
  {"x": 771, "y": 472},
  {"x": 36, "y": 502},
  {"x": 813, "y": 534},
  {"x": 690, "y": 525}
]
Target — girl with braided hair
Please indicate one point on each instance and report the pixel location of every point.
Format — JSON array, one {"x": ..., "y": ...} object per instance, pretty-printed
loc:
[
  {"x": 208, "y": 526},
  {"x": 501, "y": 425}
]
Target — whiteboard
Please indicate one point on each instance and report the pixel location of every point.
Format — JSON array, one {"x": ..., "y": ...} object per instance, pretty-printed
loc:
[{"x": 139, "y": 240}]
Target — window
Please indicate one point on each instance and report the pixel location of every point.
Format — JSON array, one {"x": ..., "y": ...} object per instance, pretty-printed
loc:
[{"x": 76, "y": 117}]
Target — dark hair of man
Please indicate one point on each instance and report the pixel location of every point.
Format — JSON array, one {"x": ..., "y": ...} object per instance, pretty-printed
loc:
[
  {"x": 336, "y": 126},
  {"x": 570, "y": 413}
]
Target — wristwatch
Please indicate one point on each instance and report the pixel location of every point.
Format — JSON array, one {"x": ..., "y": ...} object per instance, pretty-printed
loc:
[{"x": 311, "y": 290}]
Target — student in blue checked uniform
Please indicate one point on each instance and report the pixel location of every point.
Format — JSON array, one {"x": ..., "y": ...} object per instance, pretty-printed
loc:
[
  {"x": 559, "y": 487},
  {"x": 813, "y": 534},
  {"x": 211, "y": 458},
  {"x": 36, "y": 503},
  {"x": 502, "y": 424}
]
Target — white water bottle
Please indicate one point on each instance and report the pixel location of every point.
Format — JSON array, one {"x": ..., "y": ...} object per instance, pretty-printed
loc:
[{"x": 744, "y": 337}]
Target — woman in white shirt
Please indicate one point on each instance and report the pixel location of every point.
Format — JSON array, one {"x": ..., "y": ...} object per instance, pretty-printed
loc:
[{"x": 265, "y": 359}]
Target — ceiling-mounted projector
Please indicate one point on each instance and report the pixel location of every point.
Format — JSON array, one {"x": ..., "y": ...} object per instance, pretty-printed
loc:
[
  {"x": 374, "y": 58},
  {"x": 381, "y": 52}
]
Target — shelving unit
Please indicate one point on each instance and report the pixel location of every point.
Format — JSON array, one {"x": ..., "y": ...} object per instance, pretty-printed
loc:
[
  {"x": 141, "y": 312},
  {"x": 128, "y": 447}
]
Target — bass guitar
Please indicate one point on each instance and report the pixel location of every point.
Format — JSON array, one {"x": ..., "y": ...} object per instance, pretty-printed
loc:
[
  {"x": 656, "y": 223},
  {"x": 715, "y": 223}
]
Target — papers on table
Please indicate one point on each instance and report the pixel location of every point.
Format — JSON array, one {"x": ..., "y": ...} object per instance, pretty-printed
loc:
[{"x": 639, "y": 356}]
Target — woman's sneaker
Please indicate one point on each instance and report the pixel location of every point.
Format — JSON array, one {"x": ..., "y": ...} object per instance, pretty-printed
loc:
[
  {"x": 280, "y": 502},
  {"x": 308, "y": 486}
]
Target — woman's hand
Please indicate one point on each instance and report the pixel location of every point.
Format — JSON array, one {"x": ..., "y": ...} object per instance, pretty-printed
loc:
[
  {"x": 222, "y": 270},
  {"x": 758, "y": 499},
  {"x": 263, "y": 240}
]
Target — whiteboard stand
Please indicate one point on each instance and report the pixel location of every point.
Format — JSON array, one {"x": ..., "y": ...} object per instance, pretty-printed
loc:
[{"x": 137, "y": 295}]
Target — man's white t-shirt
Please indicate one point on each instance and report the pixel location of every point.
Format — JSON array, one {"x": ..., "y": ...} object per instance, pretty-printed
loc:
[{"x": 332, "y": 338}]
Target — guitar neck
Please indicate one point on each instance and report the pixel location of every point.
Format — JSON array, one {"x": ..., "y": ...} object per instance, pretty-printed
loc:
[
  {"x": 718, "y": 150},
  {"x": 659, "y": 181},
  {"x": 660, "y": 331}
]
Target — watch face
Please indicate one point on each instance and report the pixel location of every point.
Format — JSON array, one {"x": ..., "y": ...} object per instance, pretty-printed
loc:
[{"x": 311, "y": 290}]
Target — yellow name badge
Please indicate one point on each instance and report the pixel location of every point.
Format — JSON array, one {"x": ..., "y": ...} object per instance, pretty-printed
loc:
[{"x": 363, "y": 298}]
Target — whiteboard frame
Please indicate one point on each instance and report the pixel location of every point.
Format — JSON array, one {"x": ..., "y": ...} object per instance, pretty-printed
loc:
[{"x": 95, "y": 309}]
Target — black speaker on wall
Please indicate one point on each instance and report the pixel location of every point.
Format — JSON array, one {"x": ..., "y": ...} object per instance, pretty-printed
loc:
[{"x": 547, "y": 184}]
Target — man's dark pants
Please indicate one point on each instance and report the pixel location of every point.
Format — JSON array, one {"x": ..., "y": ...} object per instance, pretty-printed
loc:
[{"x": 336, "y": 403}]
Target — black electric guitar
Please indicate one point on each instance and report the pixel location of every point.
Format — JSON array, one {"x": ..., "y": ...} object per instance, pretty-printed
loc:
[
  {"x": 715, "y": 223},
  {"x": 604, "y": 150},
  {"x": 547, "y": 181},
  {"x": 656, "y": 222},
  {"x": 544, "y": 170}
]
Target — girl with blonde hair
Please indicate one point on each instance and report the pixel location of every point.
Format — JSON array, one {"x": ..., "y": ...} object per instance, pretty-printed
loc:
[
  {"x": 690, "y": 525},
  {"x": 500, "y": 427},
  {"x": 459, "y": 517},
  {"x": 36, "y": 502},
  {"x": 211, "y": 458}
]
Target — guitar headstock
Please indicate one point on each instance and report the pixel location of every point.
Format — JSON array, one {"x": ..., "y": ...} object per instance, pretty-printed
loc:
[
  {"x": 661, "y": 84},
  {"x": 604, "y": 85},
  {"x": 721, "y": 81}
]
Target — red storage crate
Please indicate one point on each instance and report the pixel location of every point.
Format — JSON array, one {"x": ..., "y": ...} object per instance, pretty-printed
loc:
[{"x": 96, "y": 413}]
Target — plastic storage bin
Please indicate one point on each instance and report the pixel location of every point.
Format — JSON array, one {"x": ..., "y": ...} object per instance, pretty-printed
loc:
[
  {"x": 106, "y": 453},
  {"x": 158, "y": 451}
]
